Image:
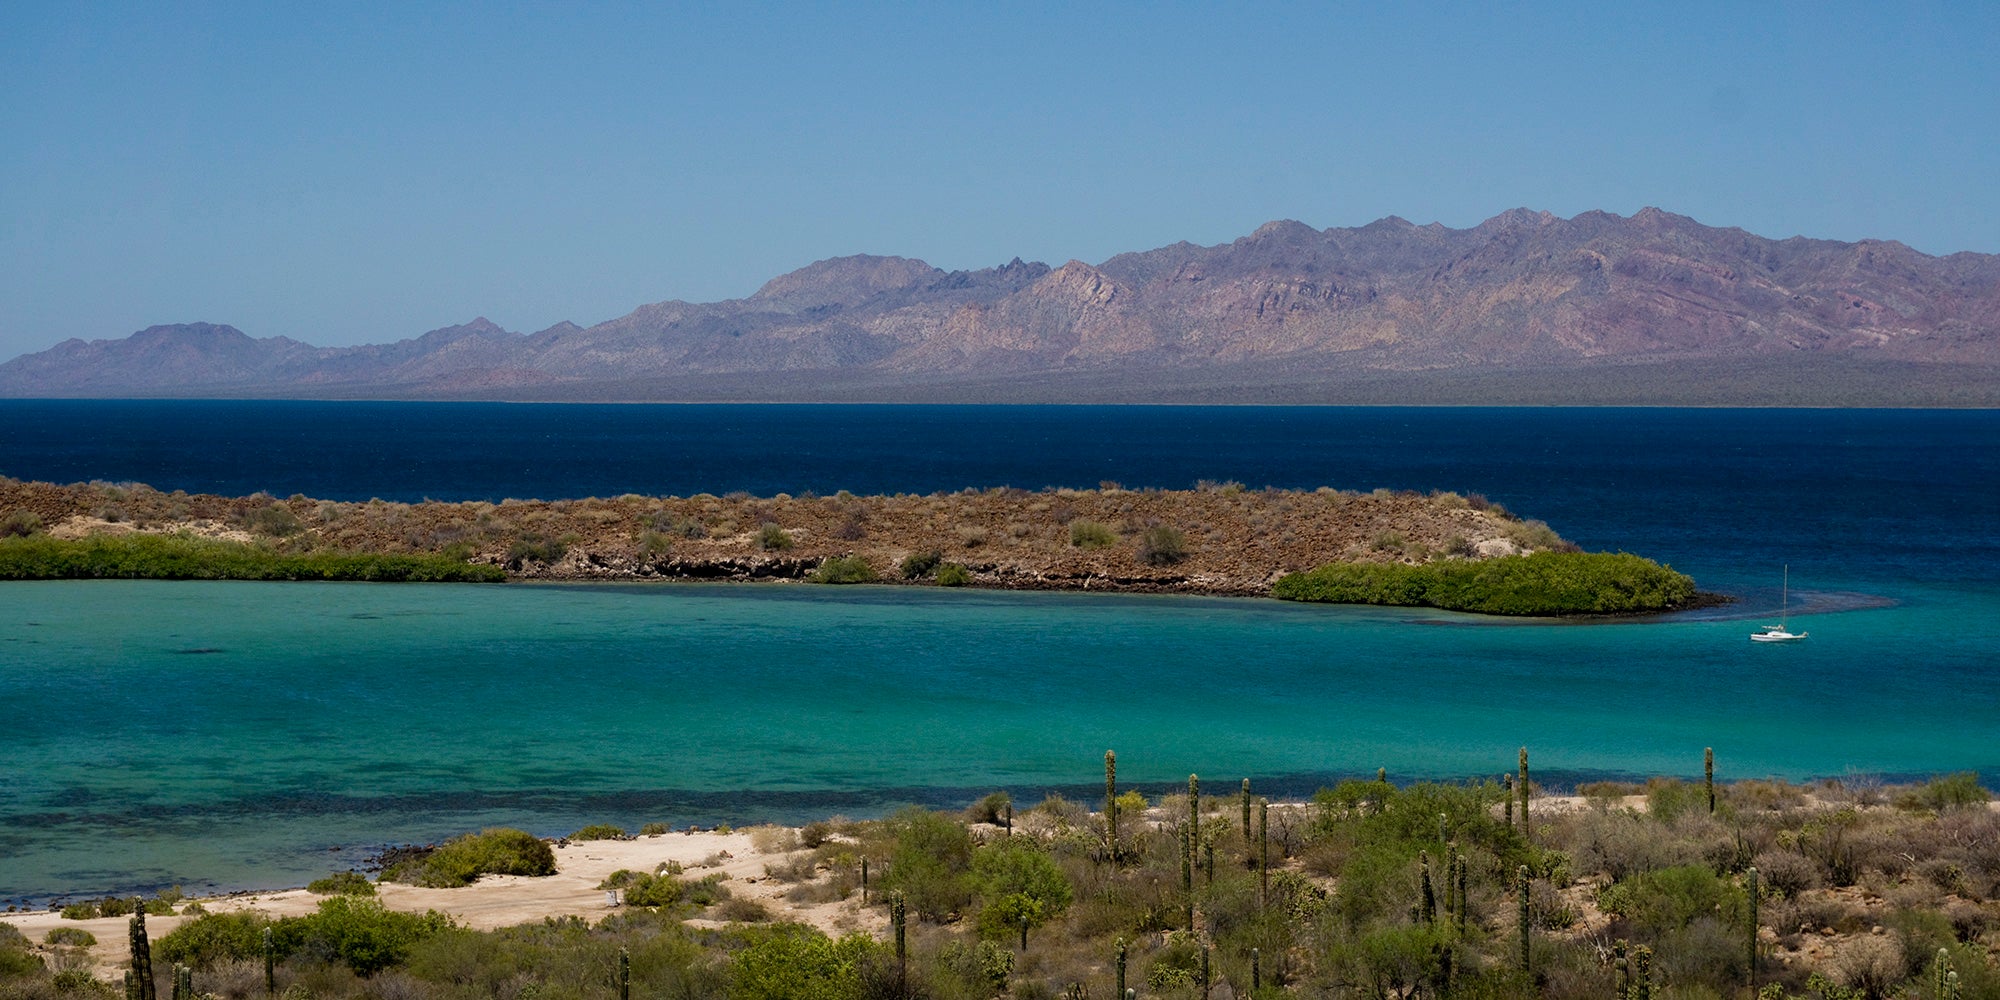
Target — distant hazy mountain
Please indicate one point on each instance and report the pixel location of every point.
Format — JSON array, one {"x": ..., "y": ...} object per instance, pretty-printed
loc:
[{"x": 1525, "y": 307}]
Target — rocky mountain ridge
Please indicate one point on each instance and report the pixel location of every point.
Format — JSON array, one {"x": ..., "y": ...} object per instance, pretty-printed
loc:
[{"x": 1316, "y": 313}]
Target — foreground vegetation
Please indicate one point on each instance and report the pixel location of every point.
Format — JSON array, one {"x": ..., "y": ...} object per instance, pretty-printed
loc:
[
  {"x": 1544, "y": 583},
  {"x": 185, "y": 557},
  {"x": 1833, "y": 891}
]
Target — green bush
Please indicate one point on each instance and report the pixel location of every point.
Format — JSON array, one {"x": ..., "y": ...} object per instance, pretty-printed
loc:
[
  {"x": 75, "y": 937},
  {"x": 1671, "y": 898},
  {"x": 186, "y": 557},
  {"x": 462, "y": 860},
  {"x": 796, "y": 962},
  {"x": 1952, "y": 791},
  {"x": 1162, "y": 546},
  {"x": 358, "y": 933},
  {"x": 843, "y": 569},
  {"x": 1018, "y": 884},
  {"x": 347, "y": 883},
  {"x": 1091, "y": 535},
  {"x": 599, "y": 831},
  {"x": 772, "y": 538},
  {"x": 1539, "y": 584},
  {"x": 918, "y": 565},
  {"x": 213, "y": 939},
  {"x": 953, "y": 575},
  {"x": 20, "y": 524},
  {"x": 929, "y": 861},
  {"x": 654, "y": 829},
  {"x": 663, "y": 889}
]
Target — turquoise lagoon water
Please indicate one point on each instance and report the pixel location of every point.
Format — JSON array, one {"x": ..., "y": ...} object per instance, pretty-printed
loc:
[{"x": 255, "y": 735}]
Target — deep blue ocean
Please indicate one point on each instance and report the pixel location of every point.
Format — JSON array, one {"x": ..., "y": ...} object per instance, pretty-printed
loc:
[{"x": 240, "y": 735}]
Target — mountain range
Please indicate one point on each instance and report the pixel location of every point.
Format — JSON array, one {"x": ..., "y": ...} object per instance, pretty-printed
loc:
[{"x": 1525, "y": 307}]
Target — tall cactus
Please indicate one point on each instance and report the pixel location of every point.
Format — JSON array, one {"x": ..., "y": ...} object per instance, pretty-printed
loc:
[
  {"x": 1111, "y": 802},
  {"x": 1191, "y": 844},
  {"x": 624, "y": 974},
  {"x": 1246, "y": 815},
  {"x": 1121, "y": 967},
  {"x": 1642, "y": 973},
  {"x": 1750, "y": 957},
  {"x": 1526, "y": 918},
  {"x": 1256, "y": 971},
  {"x": 270, "y": 964},
  {"x": 1427, "y": 909},
  {"x": 1708, "y": 776},
  {"x": 899, "y": 921},
  {"x": 1463, "y": 904},
  {"x": 1525, "y": 832},
  {"x": 1263, "y": 854},
  {"x": 1507, "y": 785},
  {"x": 142, "y": 955}
]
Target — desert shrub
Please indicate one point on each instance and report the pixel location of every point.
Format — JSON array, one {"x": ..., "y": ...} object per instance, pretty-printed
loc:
[
  {"x": 1952, "y": 791},
  {"x": 75, "y": 937},
  {"x": 929, "y": 860},
  {"x": 772, "y": 538},
  {"x": 11, "y": 937},
  {"x": 599, "y": 831},
  {"x": 1786, "y": 873},
  {"x": 273, "y": 521},
  {"x": 1085, "y": 534},
  {"x": 843, "y": 569},
  {"x": 989, "y": 808},
  {"x": 533, "y": 547},
  {"x": 86, "y": 910},
  {"x": 1539, "y": 584},
  {"x": 770, "y": 838},
  {"x": 462, "y": 860},
  {"x": 214, "y": 938},
  {"x": 742, "y": 911},
  {"x": 669, "y": 891},
  {"x": 20, "y": 524},
  {"x": 1668, "y": 799},
  {"x": 654, "y": 829},
  {"x": 1061, "y": 811},
  {"x": 1671, "y": 898},
  {"x": 982, "y": 967},
  {"x": 953, "y": 575},
  {"x": 358, "y": 933},
  {"x": 1162, "y": 546},
  {"x": 796, "y": 962},
  {"x": 918, "y": 565},
  {"x": 667, "y": 523},
  {"x": 653, "y": 544},
  {"x": 347, "y": 883},
  {"x": 1018, "y": 884}
]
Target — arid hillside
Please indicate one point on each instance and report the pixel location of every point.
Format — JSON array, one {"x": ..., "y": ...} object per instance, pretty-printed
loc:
[{"x": 1220, "y": 539}]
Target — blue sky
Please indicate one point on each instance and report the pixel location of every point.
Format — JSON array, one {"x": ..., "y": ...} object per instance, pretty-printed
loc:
[{"x": 347, "y": 173}]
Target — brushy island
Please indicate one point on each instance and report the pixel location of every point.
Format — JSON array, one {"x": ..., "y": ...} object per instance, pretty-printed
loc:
[
  {"x": 1443, "y": 550},
  {"x": 1691, "y": 890}
]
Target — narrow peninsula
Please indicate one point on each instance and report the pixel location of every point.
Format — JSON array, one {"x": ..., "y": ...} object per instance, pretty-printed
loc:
[{"x": 1444, "y": 550}]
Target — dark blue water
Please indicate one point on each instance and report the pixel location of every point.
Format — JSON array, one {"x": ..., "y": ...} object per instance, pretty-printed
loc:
[{"x": 1838, "y": 494}]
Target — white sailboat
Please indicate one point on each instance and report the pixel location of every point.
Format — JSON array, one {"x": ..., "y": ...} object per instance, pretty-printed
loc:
[{"x": 1779, "y": 632}]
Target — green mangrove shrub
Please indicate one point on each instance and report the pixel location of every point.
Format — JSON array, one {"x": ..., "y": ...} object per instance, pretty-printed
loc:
[
  {"x": 459, "y": 862},
  {"x": 1539, "y": 584},
  {"x": 186, "y": 557},
  {"x": 953, "y": 575},
  {"x": 347, "y": 883},
  {"x": 843, "y": 569}
]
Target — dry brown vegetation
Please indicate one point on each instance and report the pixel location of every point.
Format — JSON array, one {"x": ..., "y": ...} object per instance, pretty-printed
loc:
[{"x": 1220, "y": 539}]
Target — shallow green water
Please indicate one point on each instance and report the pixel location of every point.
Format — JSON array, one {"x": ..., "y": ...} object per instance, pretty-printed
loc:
[{"x": 233, "y": 734}]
